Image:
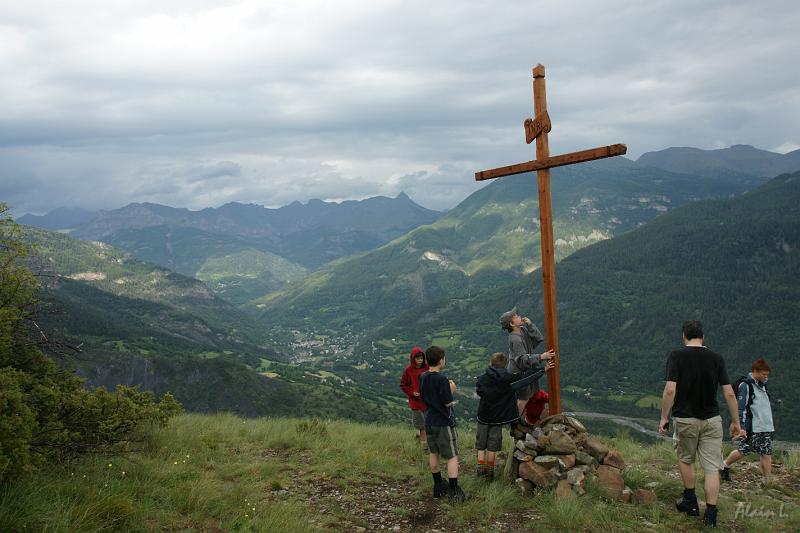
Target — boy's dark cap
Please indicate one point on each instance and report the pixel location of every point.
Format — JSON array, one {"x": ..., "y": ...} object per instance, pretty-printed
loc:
[{"x": 505, "y": 318}]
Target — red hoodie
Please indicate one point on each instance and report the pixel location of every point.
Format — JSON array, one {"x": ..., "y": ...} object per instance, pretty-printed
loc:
[{"x": 409, "y": 383}]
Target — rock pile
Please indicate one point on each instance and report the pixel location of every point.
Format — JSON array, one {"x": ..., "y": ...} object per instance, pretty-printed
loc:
[{"x": 558, "y": 453}]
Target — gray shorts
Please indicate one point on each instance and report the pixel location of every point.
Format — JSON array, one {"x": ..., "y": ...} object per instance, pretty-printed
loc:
[
  {"x": 443, "y": 440},
  {"x": 489, "y": 438},
  {"x": 418, "y": 419}
]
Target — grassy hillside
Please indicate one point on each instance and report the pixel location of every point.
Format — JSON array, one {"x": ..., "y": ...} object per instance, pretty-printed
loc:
[
  {"x": 223, "y": 473},
  {"x": 139, "y": 324},
  {"x": 234, "y": 268}
]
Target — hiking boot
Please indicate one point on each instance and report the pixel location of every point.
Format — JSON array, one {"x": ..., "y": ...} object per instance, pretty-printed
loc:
[
  {"x": 688, "y": 506},
  {"x": 710, "y": 517},
  {"x": 725, "y": 474},
  {"x": 456, "y": 495},
  {"x": 440, "y": 489}
]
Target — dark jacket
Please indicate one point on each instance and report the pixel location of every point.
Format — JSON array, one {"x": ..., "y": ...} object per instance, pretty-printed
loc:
[
  {"x": 496, "y": 388},
  {"x": 409, "y": 382}
]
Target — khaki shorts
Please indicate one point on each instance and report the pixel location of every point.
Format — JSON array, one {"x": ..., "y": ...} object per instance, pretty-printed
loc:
[{"x": 696, "y": 437}]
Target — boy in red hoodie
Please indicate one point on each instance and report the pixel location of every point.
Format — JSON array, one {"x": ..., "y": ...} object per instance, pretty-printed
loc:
[{"x": 409, "y": 384}]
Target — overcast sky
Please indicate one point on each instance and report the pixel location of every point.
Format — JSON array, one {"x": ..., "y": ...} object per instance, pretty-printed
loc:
[{"x": 195, "y": 103}]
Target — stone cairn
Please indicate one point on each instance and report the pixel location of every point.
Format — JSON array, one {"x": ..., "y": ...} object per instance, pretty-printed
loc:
[{"x": 558, "y": 453}]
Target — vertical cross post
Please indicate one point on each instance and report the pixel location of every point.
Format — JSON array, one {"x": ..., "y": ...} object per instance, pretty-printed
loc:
[
  {"x": 538, "y": 128},
  {"x": 548, "y": 248}
]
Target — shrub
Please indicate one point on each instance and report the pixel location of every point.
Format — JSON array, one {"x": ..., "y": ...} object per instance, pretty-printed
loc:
[{"x": 45, "y": 413}]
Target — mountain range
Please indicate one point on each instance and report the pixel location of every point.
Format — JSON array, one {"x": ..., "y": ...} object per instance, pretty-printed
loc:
[
  {"x": 739, "y": 158},
  {"x": 628, "y": 238},
  {"x": 489, "y": 238}
]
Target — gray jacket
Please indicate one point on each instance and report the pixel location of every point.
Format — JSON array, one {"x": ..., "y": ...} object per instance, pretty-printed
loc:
[
  {"x": 520, "y": 351},
  {"x": 761, "y": 409}
]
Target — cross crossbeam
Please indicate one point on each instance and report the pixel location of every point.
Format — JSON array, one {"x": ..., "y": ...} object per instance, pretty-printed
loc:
[
  {"x": 538, "y": 128},
  {"x": 554, "y": 161}
]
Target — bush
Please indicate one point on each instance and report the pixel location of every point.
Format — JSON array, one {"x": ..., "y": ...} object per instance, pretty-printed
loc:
[{"x": 45, "y": 413}]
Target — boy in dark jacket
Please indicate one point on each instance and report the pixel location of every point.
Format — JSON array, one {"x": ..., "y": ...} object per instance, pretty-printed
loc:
[
  {"x": 409, "y": 384},
  {"x": 498, "y": 407}
]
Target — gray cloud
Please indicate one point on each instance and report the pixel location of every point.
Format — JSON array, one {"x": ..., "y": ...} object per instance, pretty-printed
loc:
[{"x": 196, "y": 103}]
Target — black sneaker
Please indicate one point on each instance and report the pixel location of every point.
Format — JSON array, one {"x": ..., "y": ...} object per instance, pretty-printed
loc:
[
  {"x": 456, "y": 495},
  {"x": 440, "y": 489},
  {"x": 710, "y": 517},
  {"x": 725, "y": 474},
  {"x": 688, "y": 506}
]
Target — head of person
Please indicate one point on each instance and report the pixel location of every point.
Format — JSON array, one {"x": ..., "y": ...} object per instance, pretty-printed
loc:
[
  {"x": 692, "y": 330},
  {"x": 498, "y": 360},
  {"x": 418, "y": 357},
  {"x": 435, "y": 356},
  {"x": 760, "y": 370},
  {"x": 510, "y": 319}
]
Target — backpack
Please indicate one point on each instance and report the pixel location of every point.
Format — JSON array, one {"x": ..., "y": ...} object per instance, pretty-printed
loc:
[{"x": 750, "y": 397}]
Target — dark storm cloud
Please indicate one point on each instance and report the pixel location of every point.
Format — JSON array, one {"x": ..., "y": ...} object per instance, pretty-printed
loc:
[{"x": 197, "y": 103}]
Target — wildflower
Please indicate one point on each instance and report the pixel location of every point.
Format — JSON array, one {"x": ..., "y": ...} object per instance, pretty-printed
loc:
[
  {"x": 123, "y": 472},
  {"x": 110, "y": 465}
]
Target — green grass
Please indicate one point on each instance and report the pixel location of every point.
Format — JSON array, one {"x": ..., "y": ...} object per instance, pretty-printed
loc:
[{"x": 224, "y": 473}]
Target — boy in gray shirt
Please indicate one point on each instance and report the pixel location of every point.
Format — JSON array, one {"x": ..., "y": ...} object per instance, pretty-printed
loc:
[{"x": 523, "y": 337}]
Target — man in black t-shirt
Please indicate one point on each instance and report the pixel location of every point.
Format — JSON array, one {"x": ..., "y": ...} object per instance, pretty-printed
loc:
[
  {"x": 440, "y": 425},
  {"x": 693, "y": 375}
]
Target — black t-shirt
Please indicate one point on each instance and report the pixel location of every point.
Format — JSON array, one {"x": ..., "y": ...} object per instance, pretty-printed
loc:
[
  {"x": 434, "y": 389},
  {"x": 698, "y": 372}
]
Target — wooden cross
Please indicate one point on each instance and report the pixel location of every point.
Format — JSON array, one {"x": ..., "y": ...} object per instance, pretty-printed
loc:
[{"x": 538, "y": 128}]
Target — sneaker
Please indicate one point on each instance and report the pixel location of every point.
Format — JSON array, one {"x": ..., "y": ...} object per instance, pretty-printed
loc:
[
  {"x": 688, "y": 506},
  {"x": 480, "y": 471},
  {"x": 456, "y": 495},
  {"x": 710, "y": 517},
  {"x": 440, "y": 489},
  {"x": 725, "y": 474}
]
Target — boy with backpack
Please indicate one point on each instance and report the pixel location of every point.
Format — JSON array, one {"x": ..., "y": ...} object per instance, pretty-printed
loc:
[
  {"x": 497, "y": 407},
  {"x": 755, "y": 416},
  {"x": 409, "y": 384}
]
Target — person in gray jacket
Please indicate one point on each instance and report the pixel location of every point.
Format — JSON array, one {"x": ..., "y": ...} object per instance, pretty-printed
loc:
[
  {"x": 755, "y": 415},
  {"x": 523, "y": 337}
]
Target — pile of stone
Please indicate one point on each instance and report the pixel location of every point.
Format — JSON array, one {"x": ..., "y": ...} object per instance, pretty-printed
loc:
[{"x": 558, "y": 453}]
